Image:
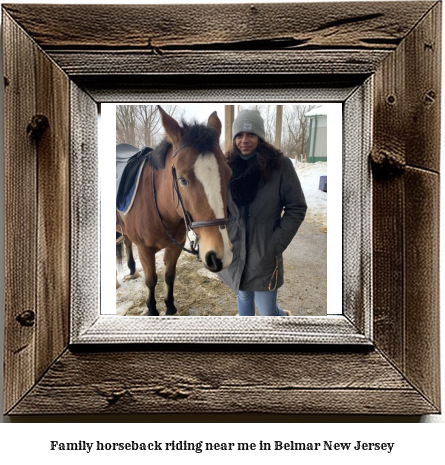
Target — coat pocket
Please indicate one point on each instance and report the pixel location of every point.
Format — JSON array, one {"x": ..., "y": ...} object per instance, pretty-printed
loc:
[{"x": 262, "y": 246}]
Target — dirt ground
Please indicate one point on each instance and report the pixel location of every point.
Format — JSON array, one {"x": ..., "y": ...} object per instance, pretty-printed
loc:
[{"x": 199, "y": 292}]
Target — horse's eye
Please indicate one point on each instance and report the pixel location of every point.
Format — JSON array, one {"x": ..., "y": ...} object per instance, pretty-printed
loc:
[{"x": 183, "y": 181}]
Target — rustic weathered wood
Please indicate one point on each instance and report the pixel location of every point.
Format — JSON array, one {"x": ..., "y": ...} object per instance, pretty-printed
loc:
[
  {"x": 388, "y": 201},
  {"x": 20, "y": 213},
  {"x": 84, "y": 176},
  {"x": 388, "y": 277},
  {"x": 395, "y": 46},
  {"x": 221, "y": 382},
  {"x": 53, "y": 221},
  {"x": 356, "y": 211},
  {"x": 335, "y": 329},
  {"x": 128, "y": 63},
  {"x": 162, "y": 27},
  {"x": 406, "y": 205},
  {"x": 423, "y": 92},
  {"x": 41, "y": 237},
  {"x": 219, "y": 88},
  {"x": 422, "y": 325}
]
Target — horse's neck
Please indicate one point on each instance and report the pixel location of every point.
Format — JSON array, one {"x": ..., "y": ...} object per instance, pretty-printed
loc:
[{"x": 164, "y": 194}]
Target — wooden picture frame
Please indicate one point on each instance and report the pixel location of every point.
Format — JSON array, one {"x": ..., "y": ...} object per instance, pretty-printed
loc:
[{"x": 380, "y": 357}]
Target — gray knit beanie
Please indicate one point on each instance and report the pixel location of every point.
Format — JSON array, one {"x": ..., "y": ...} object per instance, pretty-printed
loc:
[{"x": 249, "y": 121}]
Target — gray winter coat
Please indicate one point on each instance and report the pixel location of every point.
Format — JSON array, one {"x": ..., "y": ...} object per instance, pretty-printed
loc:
[{"x": 260, "y": 232}]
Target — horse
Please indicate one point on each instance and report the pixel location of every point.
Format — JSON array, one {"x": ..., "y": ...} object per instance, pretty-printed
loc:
[{"x": 183, "y": 188}]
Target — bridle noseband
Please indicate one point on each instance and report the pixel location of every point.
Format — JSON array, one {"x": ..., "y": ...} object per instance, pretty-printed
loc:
[{"x": 189, "y": 224}]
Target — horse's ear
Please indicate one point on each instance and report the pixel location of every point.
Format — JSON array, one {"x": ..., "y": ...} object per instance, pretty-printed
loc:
[
  {"x": 173, "y": 131},
  {"x": 215, "y": 123}
]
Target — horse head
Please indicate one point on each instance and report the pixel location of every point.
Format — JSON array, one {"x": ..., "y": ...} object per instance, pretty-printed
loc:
[{"x": 200, "y": 178}]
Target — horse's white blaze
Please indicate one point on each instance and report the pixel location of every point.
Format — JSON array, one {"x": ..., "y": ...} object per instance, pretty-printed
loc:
[{"x": 207, "y": 173}]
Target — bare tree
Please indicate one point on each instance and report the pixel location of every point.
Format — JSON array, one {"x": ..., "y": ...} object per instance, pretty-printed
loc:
[
  {"x": 296, "y": 128},
  {"x": 140, "y": 125},
  {"x": 148, "y": 118},
  {"x": 268, "y": 112},
  {"x": 126, "y": 124}
]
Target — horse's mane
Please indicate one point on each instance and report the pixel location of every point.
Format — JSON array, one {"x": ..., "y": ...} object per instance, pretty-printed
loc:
[
  {"x": 157, "y": 158},
  {"x": 198, "y": 136}
]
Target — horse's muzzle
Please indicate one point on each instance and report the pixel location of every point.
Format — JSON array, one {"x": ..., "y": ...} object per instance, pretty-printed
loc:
[{"x": 212, "y": 262}]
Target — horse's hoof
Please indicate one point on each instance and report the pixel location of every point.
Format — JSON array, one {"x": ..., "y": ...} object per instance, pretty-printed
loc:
[
  {"x": 132, "y": 276},
  {"x": 152, "y": 312},
  {"x": 171, "y": 310}
]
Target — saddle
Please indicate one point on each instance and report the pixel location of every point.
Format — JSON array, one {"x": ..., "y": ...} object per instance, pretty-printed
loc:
[{"x": 129, "y": 163}]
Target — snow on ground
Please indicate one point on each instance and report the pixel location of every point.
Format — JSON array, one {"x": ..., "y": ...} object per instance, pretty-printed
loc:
[{"x": 309, "y": 175}]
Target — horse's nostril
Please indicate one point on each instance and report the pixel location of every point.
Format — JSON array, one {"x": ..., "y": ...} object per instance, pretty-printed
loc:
[{"x": 212, "y": 262}]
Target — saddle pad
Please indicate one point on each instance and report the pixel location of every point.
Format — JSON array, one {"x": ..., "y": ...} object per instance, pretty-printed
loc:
[{"x": 129, "y": 180}]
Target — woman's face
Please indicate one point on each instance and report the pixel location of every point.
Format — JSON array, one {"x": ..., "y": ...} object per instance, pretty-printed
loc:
[{"x": 246, "y": 143}]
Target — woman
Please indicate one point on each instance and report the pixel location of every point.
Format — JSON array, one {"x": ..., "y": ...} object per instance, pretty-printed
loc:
[{"x": 264, "y": 184}]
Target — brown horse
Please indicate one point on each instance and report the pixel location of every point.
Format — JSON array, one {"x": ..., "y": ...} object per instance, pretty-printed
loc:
[{"x": 183, "y": 187}]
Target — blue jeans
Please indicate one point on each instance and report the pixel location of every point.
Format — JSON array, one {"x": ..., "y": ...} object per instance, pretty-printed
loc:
[{"x": 265, "y": 300}]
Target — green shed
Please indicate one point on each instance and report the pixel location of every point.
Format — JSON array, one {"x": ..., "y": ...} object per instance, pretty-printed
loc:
[{"x": 317, "y": 149}]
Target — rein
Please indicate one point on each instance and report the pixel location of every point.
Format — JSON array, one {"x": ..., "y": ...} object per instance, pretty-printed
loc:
[{"x": 189, "y": 224}]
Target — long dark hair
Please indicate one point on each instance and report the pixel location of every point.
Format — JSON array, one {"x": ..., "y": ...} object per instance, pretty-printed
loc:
[{"x": 268, "y": 158}]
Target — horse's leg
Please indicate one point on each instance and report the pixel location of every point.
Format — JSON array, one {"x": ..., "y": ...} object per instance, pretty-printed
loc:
[
  {"x": 171, "y": 255},
  {"x": 147, "y": 258},
  {"x": 130, "y": 260}
]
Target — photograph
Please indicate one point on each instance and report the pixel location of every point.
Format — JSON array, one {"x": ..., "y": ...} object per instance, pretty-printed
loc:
[{"x": 229, "y": 230}]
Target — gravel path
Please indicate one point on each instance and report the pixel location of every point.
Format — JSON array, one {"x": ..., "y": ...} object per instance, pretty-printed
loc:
[{"x": 305, "y": 275}]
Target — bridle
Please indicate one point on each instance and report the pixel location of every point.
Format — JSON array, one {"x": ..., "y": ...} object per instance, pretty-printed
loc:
[{"x": 189, "y": 224}]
